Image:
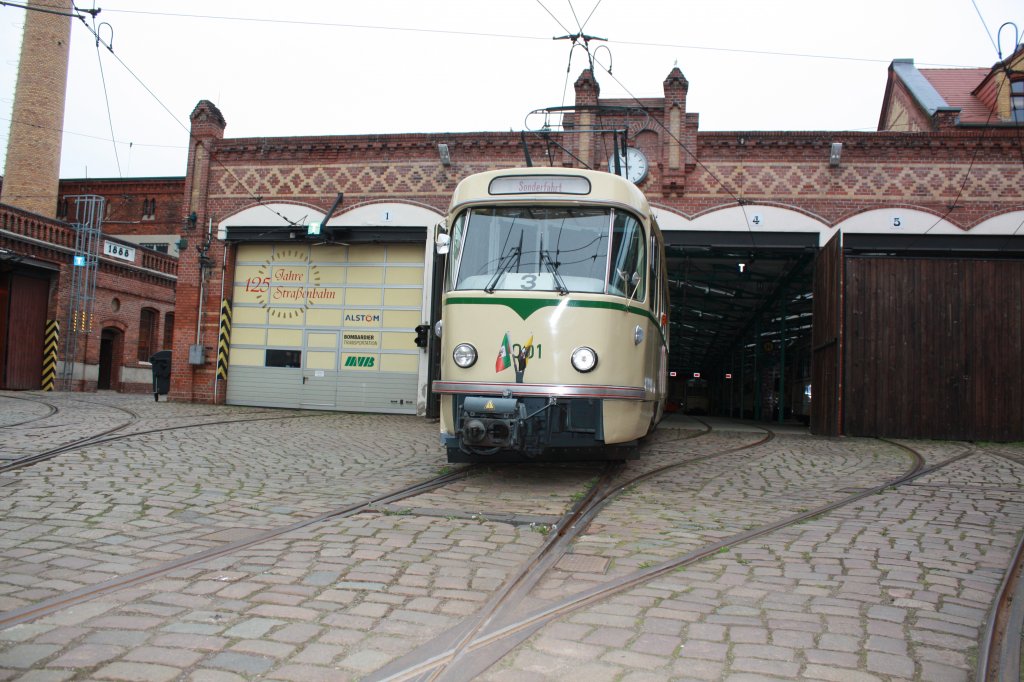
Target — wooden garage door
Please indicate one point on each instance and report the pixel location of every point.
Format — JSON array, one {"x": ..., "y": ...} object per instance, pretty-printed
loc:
[
  {"x": 935, "y": 348},
  {"x": 25, "y": 330},
  {"x": 826, "y": 340}
]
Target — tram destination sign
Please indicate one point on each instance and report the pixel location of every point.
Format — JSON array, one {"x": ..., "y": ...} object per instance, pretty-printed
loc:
[
  {"x": 115, "y": 250},
  {"x": 539, "y": 184}
]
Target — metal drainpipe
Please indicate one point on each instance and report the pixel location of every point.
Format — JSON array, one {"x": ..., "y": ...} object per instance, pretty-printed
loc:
[{"x": 202, "y": 282}]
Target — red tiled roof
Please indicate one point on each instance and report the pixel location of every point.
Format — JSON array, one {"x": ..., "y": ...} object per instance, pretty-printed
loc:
[{"x": 955, "y": 86}]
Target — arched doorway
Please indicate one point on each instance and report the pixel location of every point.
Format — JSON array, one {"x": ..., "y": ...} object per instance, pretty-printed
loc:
[{"x": 109, "y": 376}]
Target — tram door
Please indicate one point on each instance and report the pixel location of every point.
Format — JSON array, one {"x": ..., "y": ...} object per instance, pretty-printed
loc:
[{"x": 434, "y": 343}]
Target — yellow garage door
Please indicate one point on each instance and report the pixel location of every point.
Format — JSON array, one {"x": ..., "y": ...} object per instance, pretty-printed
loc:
[{"x": 326, "y": 327}]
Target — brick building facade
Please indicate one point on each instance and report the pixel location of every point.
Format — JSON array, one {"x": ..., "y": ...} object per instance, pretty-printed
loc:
[
  {"x": 946, "y": 164},
  {"x": 144, "y": 211},
  {"x": 112, "y": 349},
  {"x": 934, "y": 178},
  {"x": 125, "y": 311}
]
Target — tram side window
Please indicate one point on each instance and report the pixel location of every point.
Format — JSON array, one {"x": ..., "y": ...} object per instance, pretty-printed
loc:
[
  {"x": 455, "y": 252},
  {"x": 628, "y": 257},
  {"x": 277, "y": 357},
  {"x": 657, "y": 291}
]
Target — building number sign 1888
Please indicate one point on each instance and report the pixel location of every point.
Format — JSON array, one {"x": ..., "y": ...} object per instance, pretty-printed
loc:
[{"x": 121, "y": 251}]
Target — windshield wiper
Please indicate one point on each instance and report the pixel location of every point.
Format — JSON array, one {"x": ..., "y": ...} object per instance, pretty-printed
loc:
[
  {"x": 505, "y": 264},
  {"x": 553, "y": 267}
]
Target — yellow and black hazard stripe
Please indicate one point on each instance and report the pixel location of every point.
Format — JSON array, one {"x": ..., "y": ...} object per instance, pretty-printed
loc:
[
  {"x": 50, "y": 341},
  {"x": 224, "y": 342}
]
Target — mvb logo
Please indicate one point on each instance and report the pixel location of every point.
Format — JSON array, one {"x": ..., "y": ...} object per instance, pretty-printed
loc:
[{"x": 359, "y": 361}]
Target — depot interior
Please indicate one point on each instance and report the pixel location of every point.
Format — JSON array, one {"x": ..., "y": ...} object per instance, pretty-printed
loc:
[{"x": 740, "y": 324}]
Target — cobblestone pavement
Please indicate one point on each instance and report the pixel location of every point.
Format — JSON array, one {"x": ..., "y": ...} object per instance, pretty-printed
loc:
[{"x": 896, "y": 586}]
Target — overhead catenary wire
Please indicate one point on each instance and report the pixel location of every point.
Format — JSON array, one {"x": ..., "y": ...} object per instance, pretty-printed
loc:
[
  {"x": 984, "y": 24},
  {"x": 641, "y": 105},
  {"x": 48, "y": 9},
  {"x": 493, "y": 34},
  {"x": 739, "y": 201},
  {"x": 512, "y": 36},
  {"x": 424, "y": 30},
  {"x": 258, "y": 199},
  {"x": 1020, "y": 137},
  {"x": 65, "y": 131},
  {"x": 742, "y": 202},
  {"x": 591, "y": 58},
  {"x": 974, "y": 157},
  {"x": 106, "y": 94}
]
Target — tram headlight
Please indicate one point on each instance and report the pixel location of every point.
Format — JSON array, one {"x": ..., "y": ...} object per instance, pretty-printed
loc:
[
  {"x": 438, "y": 327},
  {"x": 584, "y": 359},
  {"x": 464, "y": 355},
  {"x": 638, "y": 335}
]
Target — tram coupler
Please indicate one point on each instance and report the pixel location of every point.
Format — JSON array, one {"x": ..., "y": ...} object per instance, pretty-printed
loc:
[{"x": 492, "y": 422}]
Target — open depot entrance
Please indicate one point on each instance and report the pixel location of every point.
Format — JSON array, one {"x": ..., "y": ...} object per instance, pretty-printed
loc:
[
  {"x": 741, "y": 321},
  {"x": 896, "y": 336}
]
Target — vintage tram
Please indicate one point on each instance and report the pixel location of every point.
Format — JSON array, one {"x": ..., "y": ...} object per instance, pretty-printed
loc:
[{"x": 554, "y": 317}]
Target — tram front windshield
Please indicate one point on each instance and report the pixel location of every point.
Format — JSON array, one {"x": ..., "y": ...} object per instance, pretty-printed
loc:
[{"x": 547, "y": 248}]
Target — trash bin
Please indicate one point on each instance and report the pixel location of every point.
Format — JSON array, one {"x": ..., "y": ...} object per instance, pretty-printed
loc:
[{"x": 161, "y": 361}]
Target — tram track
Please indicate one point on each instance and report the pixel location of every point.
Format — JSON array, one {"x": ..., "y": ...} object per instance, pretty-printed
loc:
[
  {"x": 471, "y": 656},
  {"x": 1000, "y": 654},
  {"x": 107, "y": 436},
  {"x": 28, "y": 460},
  {"x": 53, "y": 409},
  {"x": 39, "y": 609},
  {"x": 476, "y": 644},
  {"x": 376, "y": 504},
  {"x": 441, "y": 657}
]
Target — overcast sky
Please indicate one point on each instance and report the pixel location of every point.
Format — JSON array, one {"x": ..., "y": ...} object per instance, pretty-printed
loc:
[{"x": 312, "y": 67}]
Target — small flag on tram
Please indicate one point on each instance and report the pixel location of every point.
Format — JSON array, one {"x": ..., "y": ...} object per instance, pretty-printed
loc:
[
  {"x": 504, "y": 360},
  {"x": 526, "y": 352}
]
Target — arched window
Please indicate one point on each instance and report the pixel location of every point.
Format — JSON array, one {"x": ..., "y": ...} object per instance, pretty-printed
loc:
[
  {"x": 1017, "y": 100},
  {"x": 168, "y": 331},
  {"x": 148, "y": 321}
]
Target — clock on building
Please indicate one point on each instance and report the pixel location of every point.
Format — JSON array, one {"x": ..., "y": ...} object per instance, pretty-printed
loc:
[{"x": 632, "y": 166}]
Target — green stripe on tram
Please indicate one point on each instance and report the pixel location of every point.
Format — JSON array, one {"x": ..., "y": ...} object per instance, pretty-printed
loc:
[{"x": 525, "y": 307}]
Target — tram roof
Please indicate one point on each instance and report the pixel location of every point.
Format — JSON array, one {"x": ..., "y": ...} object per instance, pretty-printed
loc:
[{"x": 601, "y": 188}]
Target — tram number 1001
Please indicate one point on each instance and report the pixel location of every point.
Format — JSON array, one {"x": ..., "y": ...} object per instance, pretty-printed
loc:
[{"x": 517, "y": 351}]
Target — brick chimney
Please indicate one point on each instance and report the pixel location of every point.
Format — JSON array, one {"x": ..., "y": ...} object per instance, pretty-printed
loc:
[
  {"x": 587, "y": 93},
  {"x": 32, "y": 175}
]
